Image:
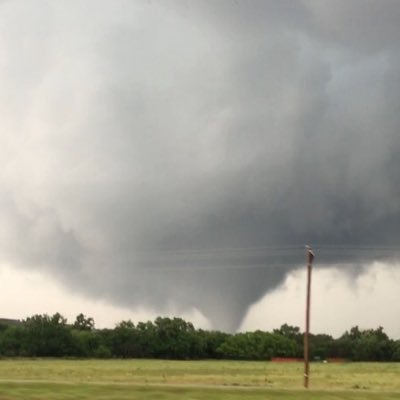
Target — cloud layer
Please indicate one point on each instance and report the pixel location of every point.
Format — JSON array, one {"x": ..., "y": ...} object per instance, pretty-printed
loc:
[{"x": 133, "y": 133}]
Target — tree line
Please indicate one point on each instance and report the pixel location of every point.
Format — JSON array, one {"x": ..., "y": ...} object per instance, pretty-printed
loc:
[{"x": 175, "y": 338}]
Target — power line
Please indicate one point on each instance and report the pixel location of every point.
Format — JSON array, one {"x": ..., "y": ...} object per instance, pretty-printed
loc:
[
  {"x": 285, "y": 257},
  {"x": 271, "y": 249},
  {"x": 287, "y": 267}
]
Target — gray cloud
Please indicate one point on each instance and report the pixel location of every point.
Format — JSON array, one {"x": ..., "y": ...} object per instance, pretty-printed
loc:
[{"x": 136, "y": 132}]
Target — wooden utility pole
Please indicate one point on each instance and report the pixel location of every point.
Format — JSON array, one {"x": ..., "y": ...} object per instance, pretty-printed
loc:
[{"x": 310, "y": 258}]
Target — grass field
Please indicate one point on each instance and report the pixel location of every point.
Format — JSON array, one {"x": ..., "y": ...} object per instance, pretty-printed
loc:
[{"x": 194, "y": 380}]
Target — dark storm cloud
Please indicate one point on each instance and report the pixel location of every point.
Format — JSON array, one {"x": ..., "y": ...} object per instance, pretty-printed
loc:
[{"x": 138, "y": 132}]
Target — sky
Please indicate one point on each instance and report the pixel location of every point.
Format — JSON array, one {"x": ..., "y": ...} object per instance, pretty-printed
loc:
[{"x": 174, "y": 157}]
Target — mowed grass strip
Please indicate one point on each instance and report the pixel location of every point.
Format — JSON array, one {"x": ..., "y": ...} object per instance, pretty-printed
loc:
[
  {"x": 79, "y": 379},
  {"x": 53, "y": 391}
]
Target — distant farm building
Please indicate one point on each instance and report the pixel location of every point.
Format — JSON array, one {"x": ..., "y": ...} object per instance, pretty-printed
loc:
[{"x": 9, "y": 321}]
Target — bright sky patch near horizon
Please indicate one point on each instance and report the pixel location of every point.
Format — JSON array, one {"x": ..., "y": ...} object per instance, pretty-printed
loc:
[{"x": 339, "y": 303}]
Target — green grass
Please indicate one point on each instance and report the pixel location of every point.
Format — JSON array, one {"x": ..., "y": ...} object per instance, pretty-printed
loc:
[
  {"x": 194, "y": 380},
  {"x": 121, "y": 392}
]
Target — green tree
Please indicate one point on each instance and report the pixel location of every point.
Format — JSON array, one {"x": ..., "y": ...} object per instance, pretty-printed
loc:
[
  {"x": 293, "y": 333},
  {"x": 47, "y": 336},
  {"x": 364, "y": 345},
  {"x": 83, "y": 323},
  {"x": 125, "y": 340},
  {"x": 372, "y": 345},
  {"x": 321, "y": 346},
  {"x": 210, "y": 342},
  {"x": 257, "y": 345},
  {"x": 175, "y": 338},
  {"x": 85, "y": 343},
  {"x": 12, "y": 340},
  {"x": 396, "y": 351}
]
